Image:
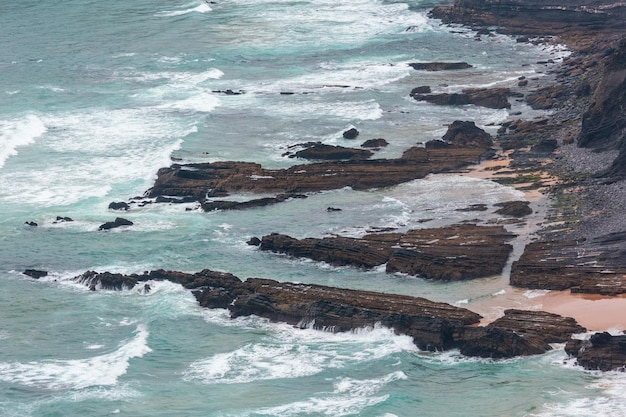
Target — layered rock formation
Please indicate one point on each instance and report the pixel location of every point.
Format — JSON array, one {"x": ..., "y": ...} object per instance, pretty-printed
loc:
[
  {"x": 432, "y": 325},
  {"x": 493, "y": 98},
  {"x": 204, "y": 182},
  {"x": 453, "y": 253}
]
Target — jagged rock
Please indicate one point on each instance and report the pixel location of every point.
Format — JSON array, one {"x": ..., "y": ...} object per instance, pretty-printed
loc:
[
  {"x": 31, "y": 223},
  {"x": 493, "y": 98},
  {"x": 453, "y": 253},
  {"x": 119, "y": 206},
  {"x": 325, "y": 152},
  {"x": 601, "y": 352},
  {"x": 351, "y": 133},
  {"x": 375, "y": 143},
  {"x": 439, "y": 66},
  {"x": 332, "y": 209},
  {"x": 35, "y": 273},
  {"x": 514, "y": 208},
  {"x": 118, "y": 222}
]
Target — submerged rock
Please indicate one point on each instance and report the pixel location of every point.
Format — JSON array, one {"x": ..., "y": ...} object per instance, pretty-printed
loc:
[{"x": 118, "y": 222}]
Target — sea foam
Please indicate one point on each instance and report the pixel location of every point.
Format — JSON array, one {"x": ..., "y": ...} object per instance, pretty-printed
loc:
[
  {"x": 16, "y": 133},
  {"x": 78, "y": 373}
]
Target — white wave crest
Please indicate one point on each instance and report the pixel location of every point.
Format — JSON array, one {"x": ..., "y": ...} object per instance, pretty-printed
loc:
[
  {"x": 349, "y": 397},
  {"x": 78, "y": 373},
  {"x": 22, "y": 132},
  {"x": 292, "y": 353},
  {"x": 194, "y": 7}
]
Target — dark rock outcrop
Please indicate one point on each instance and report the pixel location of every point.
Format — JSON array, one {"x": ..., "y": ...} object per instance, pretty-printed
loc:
[
  {"x": 439, "y": 66},
  {"x": 121, "y": 205},
  {"x": 351, "y": 133},
  {"x": 514, "y": 208},
  {"x": 432, "y": 325},
  {"x": 463, "y": 134},
  {"x": 375, "y": 143},
  {"x": 602, "y": 352},
  {"x": 493, "y": 98},
  {"x": 212, "y": 205},
  {"x": 321, "y": 151},
  {"x": 118, "y": 222},
  {"x": 35, "y": 273},
  {"x": 452, "y": 253}
]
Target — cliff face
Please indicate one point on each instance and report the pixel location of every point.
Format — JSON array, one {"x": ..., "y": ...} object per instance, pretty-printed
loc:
[{"x": 604, "y": 122}]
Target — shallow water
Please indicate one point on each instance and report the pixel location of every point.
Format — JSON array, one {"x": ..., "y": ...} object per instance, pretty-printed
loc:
[{"x": 95, "y": 97}]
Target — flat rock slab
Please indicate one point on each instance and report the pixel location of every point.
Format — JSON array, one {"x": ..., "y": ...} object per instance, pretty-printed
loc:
[
  {"x": 596, "y": 266},
  {"x": 453, "y": 253},
  {"x": 432, "y": 325}
]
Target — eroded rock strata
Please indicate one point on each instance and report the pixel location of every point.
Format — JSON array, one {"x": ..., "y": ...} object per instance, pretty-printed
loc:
[
  {"x": 453, "y": 253},
  {"x": 432, "y": 325}
]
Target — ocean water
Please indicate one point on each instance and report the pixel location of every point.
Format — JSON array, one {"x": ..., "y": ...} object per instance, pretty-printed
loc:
[{"x": 96, "y": 96}]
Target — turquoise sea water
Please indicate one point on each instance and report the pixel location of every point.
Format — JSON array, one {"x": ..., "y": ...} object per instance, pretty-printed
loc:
[{"x": 96, "y": 96}]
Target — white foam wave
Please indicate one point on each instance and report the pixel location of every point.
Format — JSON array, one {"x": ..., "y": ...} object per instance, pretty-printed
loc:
[
  {"x": 204, "y": 102},
  {"x": 292, "y": 353},
  {"x": 350, "y": 397},
  {"x": 78, "y": 373},
  {"x": 194, "y": 7},
  {"x": 16, "y": 133},
  {"x": 93, "y": 151},
  {"x": 338, "y": 77},
  {"x": 611, "y": 401}
]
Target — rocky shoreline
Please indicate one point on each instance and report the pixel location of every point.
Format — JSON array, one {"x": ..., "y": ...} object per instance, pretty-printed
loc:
[{"x": 581, "y": 247}]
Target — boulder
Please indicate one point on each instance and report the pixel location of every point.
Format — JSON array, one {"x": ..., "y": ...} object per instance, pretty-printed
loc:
[{"x": 351, "y": 133}]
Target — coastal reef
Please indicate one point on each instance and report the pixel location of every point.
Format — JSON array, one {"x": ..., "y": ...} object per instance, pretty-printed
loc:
[{"x": 432, "y": 325}]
